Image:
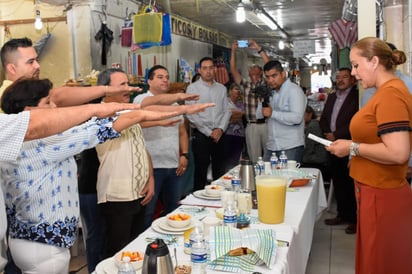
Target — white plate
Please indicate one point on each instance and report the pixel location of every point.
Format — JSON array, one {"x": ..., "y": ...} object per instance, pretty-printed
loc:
[
  {"x": 162, "y": 223},
  {"x": 201, "y": 194},
  {"x": 156, "y": 227},
  {"x": 108, "y": 266}
]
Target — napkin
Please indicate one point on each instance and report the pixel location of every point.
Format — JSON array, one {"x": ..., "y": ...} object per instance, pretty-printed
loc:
[{"x": 224, "y": 239}]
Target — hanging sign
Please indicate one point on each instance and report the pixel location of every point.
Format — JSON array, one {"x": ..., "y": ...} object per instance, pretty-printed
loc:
[
  {"x": 303, "y": 47},
  {"x": 195, "y": 31}
]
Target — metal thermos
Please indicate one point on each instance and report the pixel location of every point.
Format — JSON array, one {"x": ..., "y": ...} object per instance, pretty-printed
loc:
[
  {"x": 247, "y": 175},
  {"x": 157, "y": 259}
]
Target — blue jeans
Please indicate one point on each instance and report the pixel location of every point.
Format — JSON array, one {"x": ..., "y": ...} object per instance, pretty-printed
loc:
[
  {"x": 93, "y": 229},
  {"x": 295, "y": 153},
  {"x": 167, "y": 189}
]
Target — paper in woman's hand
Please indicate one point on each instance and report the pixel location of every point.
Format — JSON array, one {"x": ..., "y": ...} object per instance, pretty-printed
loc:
[{"x": 323, "y": 141}]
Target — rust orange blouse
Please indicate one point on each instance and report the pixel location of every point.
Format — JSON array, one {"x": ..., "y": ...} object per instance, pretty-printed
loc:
[{"x": 389, "y": 110}]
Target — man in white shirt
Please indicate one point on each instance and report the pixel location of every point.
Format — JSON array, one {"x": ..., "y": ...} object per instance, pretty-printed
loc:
[
  {"x": 208, "y": 127},
  {"x": 168, "y": 147}
]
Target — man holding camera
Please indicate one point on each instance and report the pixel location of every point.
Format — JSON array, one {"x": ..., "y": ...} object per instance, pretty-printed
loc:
[
  {"x": 285, "y": 114},
  {"x": 256, "y": 129}
]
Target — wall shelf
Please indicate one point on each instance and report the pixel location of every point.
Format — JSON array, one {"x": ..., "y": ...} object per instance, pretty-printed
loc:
[{"x": 31, "y": 21}]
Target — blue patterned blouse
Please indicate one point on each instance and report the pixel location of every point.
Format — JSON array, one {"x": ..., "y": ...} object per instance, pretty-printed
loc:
[{"x": 40, "y": 187}]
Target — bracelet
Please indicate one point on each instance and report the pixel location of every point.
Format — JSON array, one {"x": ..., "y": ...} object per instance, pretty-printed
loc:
[
  {"x": 106, "y": 90},
  {"x": 186, "y": 155},
  {"x": 261, "y": 50},
  {"x": 354, "y": 149}
]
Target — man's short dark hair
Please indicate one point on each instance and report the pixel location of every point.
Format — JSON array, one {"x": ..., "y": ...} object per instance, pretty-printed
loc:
[
  {"x": 11, "y": 46},
  {"x": 205, "y": 59},
  {"x": 346, "y": 69},
  {"x": 152, "y": 71},
  {"x": 273, "y": 64},
  {"x": 104, "y": 77}
]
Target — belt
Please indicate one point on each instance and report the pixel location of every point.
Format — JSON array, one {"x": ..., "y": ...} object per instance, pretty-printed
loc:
[{"x": 258, "y": 121}]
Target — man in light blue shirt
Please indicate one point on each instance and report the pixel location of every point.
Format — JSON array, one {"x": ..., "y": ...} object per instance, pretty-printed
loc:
[{"x": 285, "y": 112}]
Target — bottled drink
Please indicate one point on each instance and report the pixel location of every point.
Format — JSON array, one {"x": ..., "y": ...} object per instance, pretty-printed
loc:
[
  {"x": 274, "y": 162},
  {"x": 126, "y": 267},
  {"x": 198, "y": 255},
  {"x": 187, "y": 244},
  {"x": 229, "y": 214},
  {"x": 236, "y": 184},
  {"x": 260, "y": 166},
  {"x": 283, "y": 159}
]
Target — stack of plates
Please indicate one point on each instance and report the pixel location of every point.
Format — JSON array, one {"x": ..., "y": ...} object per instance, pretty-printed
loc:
[
  {"x": 161, "y": 226},
  {"x": 203, "y": 195}
]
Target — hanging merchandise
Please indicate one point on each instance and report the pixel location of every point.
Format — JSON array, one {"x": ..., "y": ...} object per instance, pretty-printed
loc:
[
  {"x": 149, "y": 37},
  {"x": 147, "y": 25},
  {"x": 106, "y": 36},
  {"x": 127, "y": 31},
  {"x": 39, "y": 45}
]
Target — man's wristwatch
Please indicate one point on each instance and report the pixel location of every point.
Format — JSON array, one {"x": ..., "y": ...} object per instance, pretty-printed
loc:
[
  {"x": 354, "y": 149},
  {"x": 261, "y": 50},
  {"x": 186, "y": 155}
]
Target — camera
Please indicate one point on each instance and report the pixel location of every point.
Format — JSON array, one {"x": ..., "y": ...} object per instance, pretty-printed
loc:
[
  {"x": 242, "y": 43},
  {"x": 263, "y": 92}
]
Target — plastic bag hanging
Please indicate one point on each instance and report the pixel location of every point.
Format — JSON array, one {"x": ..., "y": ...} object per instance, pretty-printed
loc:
[{"x": 147, "y": 26}]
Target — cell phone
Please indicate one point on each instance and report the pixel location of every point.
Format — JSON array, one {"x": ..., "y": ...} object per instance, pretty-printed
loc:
[{"x": 242, "y": 43}]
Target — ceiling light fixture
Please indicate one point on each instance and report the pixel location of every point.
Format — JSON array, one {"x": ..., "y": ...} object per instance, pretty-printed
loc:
[
  {"x": 38, "y": 24},
  {"x": 240, "y": 13},
  {"x": 281, "y": 45},
  {"x": 268, "y": 21}
]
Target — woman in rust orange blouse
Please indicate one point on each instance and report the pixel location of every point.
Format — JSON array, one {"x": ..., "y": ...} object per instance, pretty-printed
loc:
[{"x": 380, "y": 149}]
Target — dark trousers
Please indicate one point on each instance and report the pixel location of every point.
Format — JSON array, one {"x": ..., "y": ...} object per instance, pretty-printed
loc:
[
  {"x": 93, "y": 229},
  {"x": 344, "y": 189},
  {"x": 234, "y": 147},
  {"x": 206, "y": 150},
  {"x": 124, "y": 222}
]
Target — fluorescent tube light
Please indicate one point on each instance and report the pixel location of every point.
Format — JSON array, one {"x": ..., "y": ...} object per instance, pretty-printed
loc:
[
  {"x": 268, "y": 21},
  {"x": 240, "y": 14}
]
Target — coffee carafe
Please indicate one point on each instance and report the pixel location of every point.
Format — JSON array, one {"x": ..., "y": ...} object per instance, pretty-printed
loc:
[
  {"x": 157, "y": 259},
  {"x": 247, "y": 175}
]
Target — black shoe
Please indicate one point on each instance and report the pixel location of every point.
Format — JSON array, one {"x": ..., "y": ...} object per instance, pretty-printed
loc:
[
  {"x": 334, "y": 221},
  {"x": 350, "y": 229}
]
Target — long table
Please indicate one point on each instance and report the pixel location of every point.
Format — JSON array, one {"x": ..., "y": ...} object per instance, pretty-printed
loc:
[{"x": 303, "y": 206}]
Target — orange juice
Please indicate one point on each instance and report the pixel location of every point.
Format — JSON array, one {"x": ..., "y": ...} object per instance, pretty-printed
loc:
[{"x": 271, "y": 196}]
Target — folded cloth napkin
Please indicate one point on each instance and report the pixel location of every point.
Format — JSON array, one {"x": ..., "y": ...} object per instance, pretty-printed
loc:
[{"x": 224, "y": 239}]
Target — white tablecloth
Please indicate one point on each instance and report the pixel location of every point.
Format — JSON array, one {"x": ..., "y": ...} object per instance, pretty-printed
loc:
[{"x": 303, "y": 207}]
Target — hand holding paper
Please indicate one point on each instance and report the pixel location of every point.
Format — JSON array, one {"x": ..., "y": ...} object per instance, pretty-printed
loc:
[{"x": 323, "y": 141}]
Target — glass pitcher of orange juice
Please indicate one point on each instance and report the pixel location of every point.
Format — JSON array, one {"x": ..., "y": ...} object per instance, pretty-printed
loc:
[{"x": 271, "y": 197}]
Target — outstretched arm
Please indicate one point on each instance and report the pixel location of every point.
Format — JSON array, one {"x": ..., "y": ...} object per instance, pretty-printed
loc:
[
  {"x": 260, "y": 50},
  {"x": 235, "y": 73},
  {"x": 128, "y": 119},
  {"x": 45, "y": 122},
  {"x": 72, "y": 96},
  {"x": 168, "y": 99}
]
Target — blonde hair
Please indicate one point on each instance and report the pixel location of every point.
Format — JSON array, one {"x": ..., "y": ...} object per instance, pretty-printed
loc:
[{"x": 372, "y": 46}]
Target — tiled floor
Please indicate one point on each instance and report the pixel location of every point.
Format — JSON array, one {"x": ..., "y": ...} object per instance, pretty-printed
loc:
[{"x": 333, "y": 251}]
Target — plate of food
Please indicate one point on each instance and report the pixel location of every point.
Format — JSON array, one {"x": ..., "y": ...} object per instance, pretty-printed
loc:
[
  {"x": 136, "y": 258},
  {"x": 299, "y": 182},
  {"x": 201, "y": 194},
  {"x": 160, "y": 225}
]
